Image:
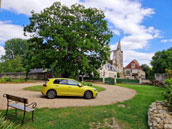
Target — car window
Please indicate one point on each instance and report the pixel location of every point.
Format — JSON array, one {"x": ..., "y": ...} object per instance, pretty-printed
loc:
[
  {"x": 72, "y": 82},
  {"x": 56, "y": 81},
  {"x": 60, "y": 81},
  {"x": 63, "y": 81}
]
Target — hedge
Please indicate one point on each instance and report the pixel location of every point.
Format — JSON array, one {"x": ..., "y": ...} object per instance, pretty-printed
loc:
[
  {"x": 127, "y": 80},
  {"x": 92, "y": 79},
  {"x": 109, "y": 81}
]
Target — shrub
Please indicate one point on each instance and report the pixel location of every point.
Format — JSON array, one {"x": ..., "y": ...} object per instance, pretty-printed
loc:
[
  {"x": 127, "y": 80},
  {"x": 4, "y": 80},
  {"x": 5, "y": 124},
  {"x": 87, "y": 83},
  {"x": 168, "y": 93}
]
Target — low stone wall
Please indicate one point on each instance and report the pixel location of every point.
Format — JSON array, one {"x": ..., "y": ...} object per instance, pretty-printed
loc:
[
  {"x": 159, "y": 117},
  {"x": 22, "y": 75}
]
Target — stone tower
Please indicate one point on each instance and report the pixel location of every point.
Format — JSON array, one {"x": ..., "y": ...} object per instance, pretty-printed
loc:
[{"x": 117, "y": 60}]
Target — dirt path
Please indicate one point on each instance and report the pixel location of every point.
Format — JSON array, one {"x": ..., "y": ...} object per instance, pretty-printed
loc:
[{"x": 111, "y": 95}]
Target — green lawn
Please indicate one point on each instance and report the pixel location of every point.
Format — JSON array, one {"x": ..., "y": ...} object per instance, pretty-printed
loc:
[
  {"x": 133, "y": 116},
  {"x": 40, "y": 87}
]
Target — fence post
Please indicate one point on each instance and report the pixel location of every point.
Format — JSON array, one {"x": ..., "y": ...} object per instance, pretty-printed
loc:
[{"x": 140, "y": 81}]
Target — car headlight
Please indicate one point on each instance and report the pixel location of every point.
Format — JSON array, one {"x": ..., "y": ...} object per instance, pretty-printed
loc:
[{"x": 95, "y": 90}]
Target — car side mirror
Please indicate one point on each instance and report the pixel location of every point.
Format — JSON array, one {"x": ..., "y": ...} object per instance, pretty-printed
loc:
[{"x": 79, "y": 84}]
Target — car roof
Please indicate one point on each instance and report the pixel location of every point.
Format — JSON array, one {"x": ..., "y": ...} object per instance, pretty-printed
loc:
[{"x": 60, "y": 78}]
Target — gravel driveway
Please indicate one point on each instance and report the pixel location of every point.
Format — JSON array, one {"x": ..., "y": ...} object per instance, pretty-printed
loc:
[{"x": 111, "y": 95}]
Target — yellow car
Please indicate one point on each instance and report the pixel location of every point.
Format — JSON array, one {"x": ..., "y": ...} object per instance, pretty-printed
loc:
[{"x": 67, "y": 87}]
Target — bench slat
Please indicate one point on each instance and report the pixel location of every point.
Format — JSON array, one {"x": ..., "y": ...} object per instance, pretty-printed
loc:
[
  {"x": 20, "y": 107},
  {"x": 16, "y": 98}
]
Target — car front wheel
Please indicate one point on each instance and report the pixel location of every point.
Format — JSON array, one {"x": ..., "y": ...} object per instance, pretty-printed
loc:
[
  {"x": 88, "y": 95},
  {"x": 51, "y": 94}
]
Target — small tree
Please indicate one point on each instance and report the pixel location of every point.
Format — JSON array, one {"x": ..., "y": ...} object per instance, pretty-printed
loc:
[
  {"x": 148, "y": 70},
  {"x": 162, "y": 60}
]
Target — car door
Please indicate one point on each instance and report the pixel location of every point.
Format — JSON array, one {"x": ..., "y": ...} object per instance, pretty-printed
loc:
[
  {"x": 74, "y": 89},
  {"x": 61, "y": 87}
]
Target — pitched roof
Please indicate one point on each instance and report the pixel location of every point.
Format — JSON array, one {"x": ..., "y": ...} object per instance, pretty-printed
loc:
[{"x": 137, "y": 66}]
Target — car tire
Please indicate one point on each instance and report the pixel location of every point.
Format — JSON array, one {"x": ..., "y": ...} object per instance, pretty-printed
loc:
[
  {"x": 88, "y": 95},
  {"x": 51, "y": 94}
]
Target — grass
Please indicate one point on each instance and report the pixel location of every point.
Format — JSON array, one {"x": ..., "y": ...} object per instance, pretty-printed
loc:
[
  {"x": 38, "y": 88},
  {"x": 133, "y": 116}
]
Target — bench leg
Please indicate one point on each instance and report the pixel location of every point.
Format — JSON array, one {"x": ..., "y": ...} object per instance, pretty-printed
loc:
[
  {"x": 23, "y": 117},
  {"x": 32, "y": 115},
  {"x": 6, "y": 113}
]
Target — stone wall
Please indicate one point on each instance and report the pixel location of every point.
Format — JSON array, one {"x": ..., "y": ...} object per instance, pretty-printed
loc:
[
  {"x": 22, "y": 75},
  {"x": 159, "y": 117},
  {"x": 160, "y": 77}
]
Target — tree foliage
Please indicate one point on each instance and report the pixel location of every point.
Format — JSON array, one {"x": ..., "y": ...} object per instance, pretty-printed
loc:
[
  {"x": 148, "y": 70},
  {"x": 69, "y": 40},
  {"x": 15, "y": 56},
  {"x": 14, "y": 65},
  {"x": 162, "y": 60},
  {"x": 15, "y": 47}
]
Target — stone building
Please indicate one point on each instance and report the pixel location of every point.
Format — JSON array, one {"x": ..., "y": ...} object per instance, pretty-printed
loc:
[
  {"x": 134, "y": 71},
  {"x": 114, "y": 65},
  {"x": 107, "y": 71},
  {"x": 117, "y": 60}
]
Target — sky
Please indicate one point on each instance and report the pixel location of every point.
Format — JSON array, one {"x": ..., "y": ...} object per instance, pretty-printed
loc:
[{"x": 143, "y": 26}]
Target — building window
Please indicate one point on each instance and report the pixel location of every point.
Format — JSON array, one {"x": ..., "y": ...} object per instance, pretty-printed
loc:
[
  {"x": 127, "y": 72},
  {"x": 132, "y": 66}
]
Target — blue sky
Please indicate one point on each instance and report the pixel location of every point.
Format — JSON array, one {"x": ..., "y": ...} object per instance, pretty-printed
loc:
[{"x": 143, "y": 26}]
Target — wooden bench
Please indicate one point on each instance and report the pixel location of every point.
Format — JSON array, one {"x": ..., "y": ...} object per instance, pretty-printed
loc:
[{"x": 13, "y": 101}]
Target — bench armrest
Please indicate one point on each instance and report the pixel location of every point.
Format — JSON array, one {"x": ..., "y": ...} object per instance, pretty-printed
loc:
[
  {"x": 34, "y": 104},
  {"x": 4, "y": 95}
]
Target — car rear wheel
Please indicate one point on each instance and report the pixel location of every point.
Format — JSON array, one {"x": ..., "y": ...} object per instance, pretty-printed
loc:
[
  {"x": 88, "y": 95},
  {"x": 51, "y": 94}
]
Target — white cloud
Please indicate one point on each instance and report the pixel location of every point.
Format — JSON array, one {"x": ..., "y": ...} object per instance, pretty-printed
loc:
[
  {"x": 125, "y": 16},
  {"x": 166, "y": 40},
  {"x": 143, "y": 58},
  {"x": 26, "y": 6},
  {"x": 8, "y": 31},
  {"x": 2, "y": 51}
]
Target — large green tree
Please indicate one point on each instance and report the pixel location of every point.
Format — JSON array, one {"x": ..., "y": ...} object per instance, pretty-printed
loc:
[
  {"x": 162, "y": 60},
  {"x": 69, "y": 40}
]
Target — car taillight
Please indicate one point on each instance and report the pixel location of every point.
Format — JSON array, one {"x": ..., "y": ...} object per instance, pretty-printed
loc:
[{"x": 45, "y": 85}]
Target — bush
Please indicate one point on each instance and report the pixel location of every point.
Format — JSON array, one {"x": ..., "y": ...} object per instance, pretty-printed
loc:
[
  {"x": 168, "y": 93},
  {"x": 4, "y": 80},
  {"x": 5, "y": 124},
  {"x": 87, "y": 83}
]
